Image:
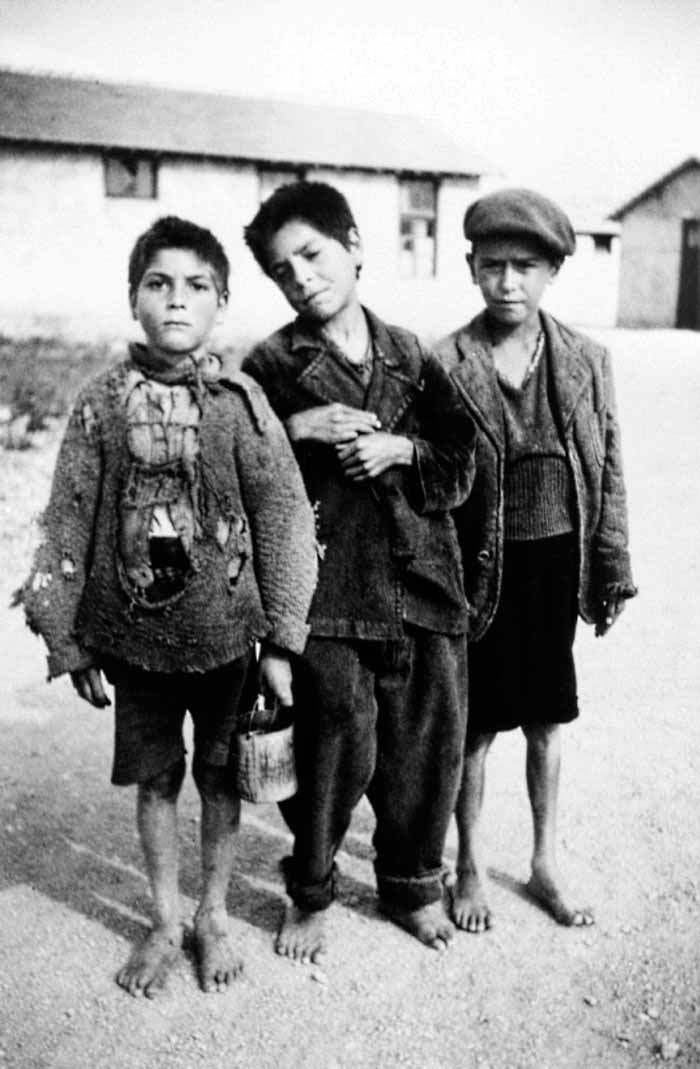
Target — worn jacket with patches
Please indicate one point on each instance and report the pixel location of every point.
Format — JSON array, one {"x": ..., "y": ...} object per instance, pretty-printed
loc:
[
  {"x": 235, "y": 507},
  {"x": 388, "y": 545},
  {"x": 583, "y": 403}
]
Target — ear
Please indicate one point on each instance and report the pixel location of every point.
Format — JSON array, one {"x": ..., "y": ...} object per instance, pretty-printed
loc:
[
  {"x": 221, "y": 312},
  {"x": 554, "y": 271},
  {"x": 132, "y": 304},
  {"x": 470, "y": 260},
  {"x": 354, "y": 246}
]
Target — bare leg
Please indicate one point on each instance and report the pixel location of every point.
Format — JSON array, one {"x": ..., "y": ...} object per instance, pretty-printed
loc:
[
  {"x": 217, "y": 961},
  {"x": 146, "y": 971},
  {"x": 470, "y": 909},
  {"x": 542, "y": 770}
]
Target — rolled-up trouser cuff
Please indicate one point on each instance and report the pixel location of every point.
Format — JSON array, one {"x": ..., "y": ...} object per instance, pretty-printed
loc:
[
  {"x": 411, "y": 892},
  {"x": 309, "y": 897}
]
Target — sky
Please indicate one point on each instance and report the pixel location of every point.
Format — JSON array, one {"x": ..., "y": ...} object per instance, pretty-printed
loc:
[{"x": 586, "y": 100}]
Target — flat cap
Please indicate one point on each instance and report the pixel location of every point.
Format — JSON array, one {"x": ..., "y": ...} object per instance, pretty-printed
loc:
[{"x": 520, "y": 212}]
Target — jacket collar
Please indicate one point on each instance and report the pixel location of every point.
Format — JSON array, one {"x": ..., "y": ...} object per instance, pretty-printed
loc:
[
  {"x": 475, "y": 374},
  {"x": 569, "y": 369},
  {"x": 326, "y": 376}
]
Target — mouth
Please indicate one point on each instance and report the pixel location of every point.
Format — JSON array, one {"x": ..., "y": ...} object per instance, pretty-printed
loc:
[
  {"x": 319, "y": 295},
  {"x": 175, "y": 323}
]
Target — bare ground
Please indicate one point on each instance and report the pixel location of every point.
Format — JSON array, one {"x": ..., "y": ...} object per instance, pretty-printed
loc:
[{"x": 528, "y": 994}]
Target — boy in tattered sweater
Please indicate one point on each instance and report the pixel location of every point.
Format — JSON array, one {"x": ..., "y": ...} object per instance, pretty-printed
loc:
[{"x": 177, "y": 533}]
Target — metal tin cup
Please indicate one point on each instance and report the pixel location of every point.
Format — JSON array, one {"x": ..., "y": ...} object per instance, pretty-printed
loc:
[{"x": 266, "y": 771}]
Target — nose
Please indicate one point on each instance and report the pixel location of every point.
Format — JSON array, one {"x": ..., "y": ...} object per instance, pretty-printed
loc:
[
  {"x": 176, "y": 297},
  {"x": 508, "y": 278},
  {"x": 302, "y": 273}
]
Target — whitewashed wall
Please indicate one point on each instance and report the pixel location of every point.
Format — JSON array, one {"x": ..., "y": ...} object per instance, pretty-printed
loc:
[
  {"x": 64, "y": 248},
  {"x": 651, "y": 252}
]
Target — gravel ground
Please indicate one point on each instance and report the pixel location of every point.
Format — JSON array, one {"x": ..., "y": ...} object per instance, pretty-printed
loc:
[{"x": 528, "y": 994}]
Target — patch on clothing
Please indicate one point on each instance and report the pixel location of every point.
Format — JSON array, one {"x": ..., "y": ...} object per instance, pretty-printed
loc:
[{"x": 159, "y": 506}]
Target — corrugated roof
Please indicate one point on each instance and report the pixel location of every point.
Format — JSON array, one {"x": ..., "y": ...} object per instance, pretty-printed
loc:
[
  {"x": 649, "y": 191},
  {"x": 88, "y": 112}
]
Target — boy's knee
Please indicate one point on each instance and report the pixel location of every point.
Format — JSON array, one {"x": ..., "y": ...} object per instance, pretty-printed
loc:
[
  {"x": 166, "y": 784},
  {"x": 213, "y": 781},
  {"x": 542, "y": 735}
]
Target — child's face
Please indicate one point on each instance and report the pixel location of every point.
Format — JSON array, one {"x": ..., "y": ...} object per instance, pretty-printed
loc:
[
  {"x": 512, "y": 274},
  {"x": 178, "y": 303},
  {"x": 316, "y": 273}
]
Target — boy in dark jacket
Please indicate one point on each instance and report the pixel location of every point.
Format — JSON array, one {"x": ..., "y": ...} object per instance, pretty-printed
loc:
[
  {"x": 177, "y": 533},
  {"x": 385, "y": 448},
  {"x": 544, "y": 533}
]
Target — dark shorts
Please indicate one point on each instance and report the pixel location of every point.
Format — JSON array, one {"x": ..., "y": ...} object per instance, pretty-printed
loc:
[
  {"x": 522, "y": 671},
  {"x": 150, "y": 710}
]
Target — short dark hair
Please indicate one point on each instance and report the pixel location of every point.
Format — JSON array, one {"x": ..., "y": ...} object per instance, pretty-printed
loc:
[
  {"x": 170, "y": 232},
  {"x": 316, "y": 203}
]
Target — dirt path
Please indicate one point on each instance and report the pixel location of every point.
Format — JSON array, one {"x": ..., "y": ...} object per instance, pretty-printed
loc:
[{"x": 528, "y": 994}]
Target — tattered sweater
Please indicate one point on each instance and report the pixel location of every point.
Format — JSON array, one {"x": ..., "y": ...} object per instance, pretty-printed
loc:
[{"x": 178, "y": 529}]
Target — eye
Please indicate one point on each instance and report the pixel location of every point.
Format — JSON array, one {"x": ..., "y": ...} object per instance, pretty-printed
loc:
[{"x": 154, "y": 283}]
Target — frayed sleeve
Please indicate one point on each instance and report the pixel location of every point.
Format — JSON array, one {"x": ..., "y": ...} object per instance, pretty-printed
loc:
[
  {"x": 444, "y": 451},
  {"x": 611, "y": 561},
  {"x": 52, "y": 593}
]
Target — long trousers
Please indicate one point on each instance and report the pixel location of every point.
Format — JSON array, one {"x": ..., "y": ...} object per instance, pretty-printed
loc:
[{"x": 385, "y": 718}]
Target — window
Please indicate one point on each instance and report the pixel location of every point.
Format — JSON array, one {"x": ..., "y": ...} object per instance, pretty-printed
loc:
[
  {"x": 270, "y": 180},
  {"x": 602, "y": 242},
  {"x": 129, "y": 174},
  {"x": 417, "y": 228}
]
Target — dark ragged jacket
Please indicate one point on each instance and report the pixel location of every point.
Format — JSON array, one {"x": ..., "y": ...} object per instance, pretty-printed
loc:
[
  {"x": 583, "y": 403},
  {"x": 254, "y": 556},
  {"x": 388, "y": 545}
]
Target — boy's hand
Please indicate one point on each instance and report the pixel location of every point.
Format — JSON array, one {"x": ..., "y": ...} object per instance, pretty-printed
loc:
[
  {"x": 276, "y": 675},
  {"x": 88, "y": 683},
  {"x": 369, "y": 456},
  {"x": 608, "y": 614},
  {"x": 331, "y": 424}
]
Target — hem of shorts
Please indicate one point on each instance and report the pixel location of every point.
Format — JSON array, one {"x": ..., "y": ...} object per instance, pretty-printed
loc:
[
  {"x": 129, "y": 777},
  {"x": 474, "y": 728}
]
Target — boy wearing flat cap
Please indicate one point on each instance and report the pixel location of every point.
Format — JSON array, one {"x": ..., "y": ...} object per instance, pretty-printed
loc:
[{"x": 544, "y": 532}]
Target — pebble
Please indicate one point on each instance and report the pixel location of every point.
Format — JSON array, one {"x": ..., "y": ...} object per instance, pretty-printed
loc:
[
  {"x": 590, "y": 1000},
  {"x": 319, "y": 977},
  {"x": 668, "y": 1048}
]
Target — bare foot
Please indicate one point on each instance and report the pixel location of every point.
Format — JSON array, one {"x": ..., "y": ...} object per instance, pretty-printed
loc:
[
  {"x": 469, "y": 908},
  {"x": 429, "y": 924},
  {"x": 546, "y": 889},
  {"x": 147, "y": 969},
  {"x": 302, "y": 935},
  {"x": 217, "y": 962}
]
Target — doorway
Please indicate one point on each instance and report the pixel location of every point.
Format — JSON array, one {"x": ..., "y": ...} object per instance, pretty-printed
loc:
[{"x": 688, "y": 316}]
